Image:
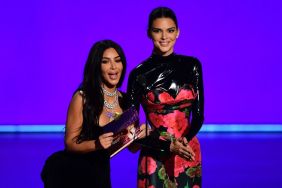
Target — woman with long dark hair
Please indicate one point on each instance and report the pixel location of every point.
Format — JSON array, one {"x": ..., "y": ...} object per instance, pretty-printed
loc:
[
  {"x": 170, "y": 89},
  {"x": 86, "y": 161}
]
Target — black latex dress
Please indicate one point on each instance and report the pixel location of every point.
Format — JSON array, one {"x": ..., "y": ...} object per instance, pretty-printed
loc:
[{"x": 170, "y": 90}]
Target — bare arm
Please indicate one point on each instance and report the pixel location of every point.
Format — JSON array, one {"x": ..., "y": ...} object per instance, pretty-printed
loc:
[{"x": 73, "y": 128}]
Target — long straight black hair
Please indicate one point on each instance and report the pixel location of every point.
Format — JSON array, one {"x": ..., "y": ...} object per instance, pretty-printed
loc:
[{"x": 91, "y": 87}]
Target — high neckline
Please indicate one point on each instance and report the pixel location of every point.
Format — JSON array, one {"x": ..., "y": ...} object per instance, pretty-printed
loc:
[{"x": 162, "y": 59}]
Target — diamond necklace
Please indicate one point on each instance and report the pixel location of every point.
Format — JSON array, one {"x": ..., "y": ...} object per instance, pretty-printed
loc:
[
  {"x": 111, "y": 105},
  {"x": 110, "y": 113},
  {"x": 109, "y": 93}
]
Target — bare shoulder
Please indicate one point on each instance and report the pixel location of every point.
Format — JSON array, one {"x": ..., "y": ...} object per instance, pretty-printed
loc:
[
  {"x": 75, "y": 112},
  {"x": 77, "y": 100}
]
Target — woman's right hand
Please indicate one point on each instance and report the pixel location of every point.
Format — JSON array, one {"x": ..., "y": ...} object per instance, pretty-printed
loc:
[
  {"x": 105, "y": 140},
  {"x": 183, "y": 150},
  {"x": 142, "y": 133}
]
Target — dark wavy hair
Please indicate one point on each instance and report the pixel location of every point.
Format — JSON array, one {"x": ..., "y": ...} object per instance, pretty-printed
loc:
[
  {"x": 160, "y": 12},
  {"x": 91, "y": 87}
]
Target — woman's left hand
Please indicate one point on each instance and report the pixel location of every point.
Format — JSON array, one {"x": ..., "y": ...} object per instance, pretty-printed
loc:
[{"x": 185, "y": 142}]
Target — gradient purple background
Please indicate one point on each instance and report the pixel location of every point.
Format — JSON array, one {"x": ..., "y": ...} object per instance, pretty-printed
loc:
[{"x": 44, "y": 45}]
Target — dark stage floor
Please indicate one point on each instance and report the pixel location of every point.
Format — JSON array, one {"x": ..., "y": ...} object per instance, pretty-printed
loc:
[{"x": 230, "y": 160}]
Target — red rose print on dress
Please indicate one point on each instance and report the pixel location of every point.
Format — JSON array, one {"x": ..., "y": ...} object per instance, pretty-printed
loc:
[
  {"x": 151, "y": 165},
  {"x": 185, "y": 94},
  {"x": 176, "y": 165},
  {"x": 165, "y": 97},
  {"x": 194, "y": 171},
  {"x": 176, "y": 123},
  {"x": 142, "y": 184},
  {"x": 195, "y": 145},
  {"x": 180, "y": 165},
  {"x": 156, "y": 119},
  {"x": 151, "y": 96}
]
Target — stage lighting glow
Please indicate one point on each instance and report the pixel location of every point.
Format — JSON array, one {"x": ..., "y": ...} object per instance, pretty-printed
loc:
[{"x": 205, "y": 128}]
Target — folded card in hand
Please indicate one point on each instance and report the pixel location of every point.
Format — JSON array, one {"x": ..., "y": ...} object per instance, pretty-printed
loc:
[
  {"x": 127, "y": 118},
  {"x": 124, "y": 129}
]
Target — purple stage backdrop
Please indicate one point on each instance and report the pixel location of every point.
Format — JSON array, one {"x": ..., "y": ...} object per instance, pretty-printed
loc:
[{"x": 44, "y": 45}]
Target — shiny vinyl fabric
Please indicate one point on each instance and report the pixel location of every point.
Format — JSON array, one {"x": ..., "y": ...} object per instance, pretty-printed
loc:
[{"x": 170, "y": 90}]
